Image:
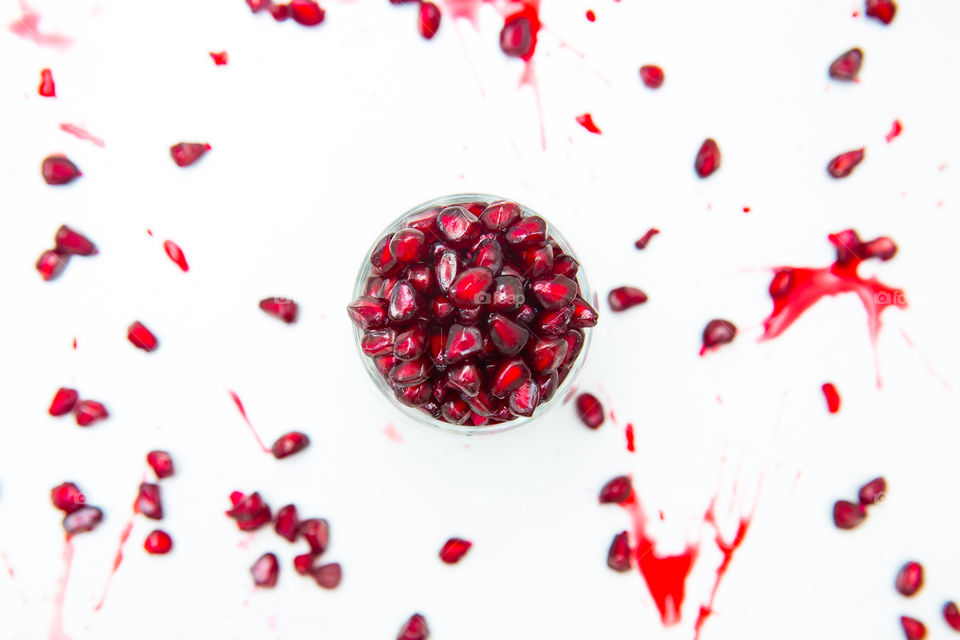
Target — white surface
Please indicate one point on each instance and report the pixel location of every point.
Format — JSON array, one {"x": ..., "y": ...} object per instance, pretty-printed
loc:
[{"x": 322, "y": 136}]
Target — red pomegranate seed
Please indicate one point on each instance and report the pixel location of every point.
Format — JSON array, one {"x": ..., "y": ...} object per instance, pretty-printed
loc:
[
  {"x": 554, "y": 323},
  {"x": 408, "y": 245},
  {"x": 623, "y": 298},
  {"x": 883, "y": 248},
  {"x": 283, "y": 308},
  {"x": 952, "y": 615},
  {"x": 428, "y": 21},
  {"x": 555, "y": 292},
  {"x": 82, "y": 520},
  {"x": 454, "y": 549},
  {"x": 847, "y": 65},
  {"x": 708, "y": 158},
  {"x": 316, "y": 531},
  {"x": 832, "y": 397},
  {"x": 141, "y": 337},
  {"x": 289, "y": 444},
  {"x": 250, "y": 512},
  {"x": 507, "y": 294},
  {"x": 303, "y": 563},
  {"x": 219, "y": 57},
  {"x": 847, "y": 515},
  {"x": 158, "y": 542},
  {"x": 455, "y": 411},
  {"x": 67, "y": 497},
  {"x": 287, "y": 523},
  {"x": 618, "y": 558},
  {"x": 586, "y": 121},
  {"x": 420, "y": 277},
  {"x": 527, "y": 232},
  {"x": 508, "y": 376},
  {"x": 265, "y": 571},
  {"x": 148, "y": 501},
  {"x": 410, "y": 344},
  {"x": 408, "y": 374},
  {"x": 465, "y": 378},
  {"x": 86, "y": 412},
  {"x": 895, "y": 130},
  {"x": 645, "y": 238},
  {"x": 548, "y": 383},
  {"x": 913, "y": 629},
  {"x": 616, "y": 490},
  {"x": 368, "y": 313},
  {"x": 844, "y": 164},
  {"x": 565, "y": 265},
  {"x": 329, "y": 575},
  {"x": 279, "y": 12},
  {"x": 488, "y": 254},
  {"x": 405, "y": 303},
  {"x": 462, "y": 342},
  {"x": 910, "y": 578},
  {"x": 584, "y": 316},
  {"x": 385, "y": 365},
  {"x": 716, "y": 333},
  {"x": 257, "y": 5},
  {"x": 517, "y": 38},
  {"x": 306, "y": 12},
  {"x": 545, "y": 355},
  {"x": 381, "y": 258},
  {"x": 414, "y": 396},
  {"x": 47, "y": 88},
  {"x": 873, "y": 492},
  {"x": 236, "y": 497},
  {"x": 524, "y": 399},
  {"x": 51, "y": 264},
  {"x": 471, "y": 288},
  {"x": 448, "y": 265},
  {"x": 415, "y": 628},
  {"x": 72, "y": 242},
  {"x": 63, "y": 401},
  {"x": 186, "y": 153},
  {"x": 882, "y": 10},
  {"x": 498, "y": 216},
  {"x": 590, "y": 410},
  {"x": 652, "y": 76},
  {"x": 458, "y": 226},
  {"x": 161, "y": 463},
  {"x": 57, "y": 170},
  {"x": 508, "y": 336},
  {"x": 574, "y": 339}
]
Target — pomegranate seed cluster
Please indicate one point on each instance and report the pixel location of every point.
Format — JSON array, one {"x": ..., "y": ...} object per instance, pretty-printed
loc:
[{"x": 472, "y": 313}]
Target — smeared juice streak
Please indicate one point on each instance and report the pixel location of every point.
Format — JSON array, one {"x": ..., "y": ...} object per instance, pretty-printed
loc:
[
  {"x": 118, "y": 556},
  {"x": 243, "y": 414},
  {"x": 630, "y": 444},
  {"x": 56, "y": 623},
  {"x": 81, "y": 133},
  {"x": 28, "y": 28},
  {"x": 928, "y": 365},
  {"x": 529, "y": 78},
  {"x": 895, "y": 130}
]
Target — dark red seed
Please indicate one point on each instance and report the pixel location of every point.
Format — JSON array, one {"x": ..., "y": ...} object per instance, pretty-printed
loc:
[
  {"x": 420, "y": 277},
  {"x": 471, "y": 316},
  {"x": 408, "y": 374},
  {"x": 524, "y": 399},
  {"x": 708, "y": 158},
  {"x": 574, "y": 339},
  {"x": 425, "y": 221},
  {"x": 507, "y": 294},
  {"x": 483, "y": 404},
  {"x": 86, "y": 412},
  {"x": 645, "y": 239},
  {"x": 951, "y": 613},
  {"x": 279, "y": 12},
  {"x": 82, "y": 520},
  {"x": 466, "y": 378},
  {"x": 185, "y": 154},
  {"x": 385, "y": 365},
  {"x": 508, "y": 336},
  {"x": 414, "y": 396},
  {"x": 67, "y": 497},
  {"x": 378, "y": 342},
  {"x": 526, "y": 314},
  {"x": 462, "y": 342},
  {"x": 405, "y": 303},
  {"x": 882, "y": 10},
  {"x": 488, "y": 254},
  {"x": 847, "y": 515},
  {"x": 51, "y": 264},
  {"x": 847, "y": 65},
  {"x": 381, "y": 258},
  {"x": 458, "y": 226},
  {"x": 909, "y": 578},
  {"x": 408, "y": 245},
  {"x": 368, "y": 313},
  {"x": 618, "y": 558},
  {"x": 250, "y": 512},
  {"x": 448, "y": 266},
  {"x": 161, "y": 463},
  {"x": 616, "y": 490},
  {"x": 716, "y": 333},
  {"x": 498, "y": 216},
  {"x": 63, "y": 401},
  {"x": 545, "y": 355},
  {"x": 555, "y": 292},
  {"x": 428, "y": 21},
  {"x": 415, "y": 628},
  {"x": 141, "y": 337},
  {"x": 883, "y": 248},
  {"x": 584, "y": 315},
  {"x": 455, "y": 411},
  {"x": 913, "y": 629},
  {"x": 158, "y": 542},
  {"x": 289, "y": 444},
  {"x": 530, "y": 231},
  {"x": 622, "y": 298},
  {"x": 517, "y": 38},
  {"x": 411, "y": 343},
  {"x": 386, "y": 288},
  {"x": 72, "y": 242},
  {"x": 57, "y": 170},
  {"x": 316, "y": 531},
  {"x": 590, "y": 410},
  {"x": 565, "y": 265},
  {"x": 303, "y": 563},
  {"x": 554, "y": 323},
  {"x": 831, "y": 396},
  {"x": 548, "y": 383},
  {"x": 509, "y": 375},
  {"x": 454, "y": 549},
  {"x": 265, "y": 571},
  {"x": 148, "y": 501},
  {"x": 282, "y": 308},
  {"x": 844, "y": 164},
  {"x": 329, "y": 575},
  {"x": 873, "y": 492},
  {"x": 47, "y": 88},
  {"x": 652, "y": 76},
  {"x": 306, "y": 12},
  {"x": 471, "y": 288}
]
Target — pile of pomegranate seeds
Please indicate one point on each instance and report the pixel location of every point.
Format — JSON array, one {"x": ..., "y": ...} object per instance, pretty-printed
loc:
[
  {"x": 80, "y": 517},
  {"x": 844, "y": 164},
  {"x": 909, "y": 579},
  {"x": 454, "y": 549},
  {"x": 849, "y": 515},
  {"x": 590, "y": 410},
  {"x": 472, "y": 313},
  {"x": 67, "y": 243},
  {"x": 282, "y": 308},
  {"x": 652, "y": 76},
  {"x": 415, "y": 628},
  {"x": 185, "y": 154},
  {"x": 85, "y": 412},
  {"x": 717, "y": 332},
  {"x": 847, "y": 65}
]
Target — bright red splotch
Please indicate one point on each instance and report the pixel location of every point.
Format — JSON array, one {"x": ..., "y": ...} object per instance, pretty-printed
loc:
[
  {"x": 28, "y": 28},
  {"x": 645, "y": 238},
  {"x": 832, "y": 397},
  {"x": 117, "y": 560},
  {"x": 727, "y": 549},
  {"x": 746, "y": 209},
  {"x": 895, "y": 130},
  {"x": 47, "y": 88},
  {"x": 391, "y": 432},
  {"x": 586, "y": 121},
  {"x": 243, "y": 414},
  {"x": 219, "y": 57},
  {"x": 56, "y": 622},
  {"x": 81, "y": 133},
  {"x": 631, "y": 447},
  {"x": 74, "y": 344},
  {"x": 591, "y": 16},
  {"x": 176, "y": 254}
]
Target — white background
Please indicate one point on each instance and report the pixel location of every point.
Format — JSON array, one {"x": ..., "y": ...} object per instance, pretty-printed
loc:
[{"x": 322, "y": 136}]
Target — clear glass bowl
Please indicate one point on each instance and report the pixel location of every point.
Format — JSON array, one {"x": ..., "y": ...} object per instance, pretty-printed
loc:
[{"x": 417, "y": 415}]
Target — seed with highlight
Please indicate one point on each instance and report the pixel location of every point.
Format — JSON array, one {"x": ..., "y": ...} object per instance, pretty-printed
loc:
[
  {"x": 716, "y": 333},
  {"x": 617, "y": 490},
  {"x": 454, "y": 549},
  {"x": 882, "y": 10},
  {"x": 67, "y": 497},
  {"x": 63, "y": 401},
  {"x": 909, "y": 578},
  {"x": 86, "y": 412},
  {"x": 623, "y": 298},
  {"x": 306, "y": 12},
  {"x": 265, "y": 571},
  {"x": 913, "y": 629},
  {"x": 158, "y": 542},
  {"x": 618, "y": 557},
  {"x": 141, "y": 337},
  {"x": 82, "y": 520},
  {"x": 415, "y": 628},
  {"x": 847, "y": 515},
  {"x": 148, "y": 501},
  {"x": 289, "y": 444},
  {"x": 185, "y": 154},
  {"x": 708, "y": 158},
  {"x": 283, "y": 308},
  {"x": 873, "y": 492},
  {"x": 590, "y": 410},
  {"x": 328, "y": 575},
  {"x": 428, "y": 21},
  {"x": 57, "y": 170},
  {"x": 847, "y": 65},
  {"x": 844, "y": 164},
  {"x": 161, "y": 463},
  {"x": 951, "y": 614},
  {"x": 72, "y": 242},
  {"x": 652, "y": 76}
]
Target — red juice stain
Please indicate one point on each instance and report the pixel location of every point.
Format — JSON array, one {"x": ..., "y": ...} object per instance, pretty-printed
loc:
[
  {"x": 746, "y": 209},
  {"x": 831, "y": 396},
  {"x": 727, "y": 549},
  {"x": 243, "y": 414},
  {"x": 150, "y": 232},
  {"x": 28, "y": 28},
  {"x": 895, "y": 130},
  {"x": 56, "y": 623},
  {"x": 81, "y": 133},
  {"x": 391, "y": 432},
  {"x": 176, "y": 254},
  {"x": 586, "y": 121},
  {"x": 645, "y": 239},
  {"x": 74, "y": 344},
  {"x": 518, "y": 39},
  {"x": 47, "y": 88},
  {"x": 219, "y": 57},
  {"x": 630, "y": 444},
  {"x": 591, "y": 16},
  {"x": 118, "y": 556}
]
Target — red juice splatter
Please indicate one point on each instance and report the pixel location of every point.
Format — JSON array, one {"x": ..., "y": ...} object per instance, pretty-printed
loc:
[
  {"x": 150, "y": 233},
  {"x": 645, "y": 239},
  {"x": 591, "y": 16},
  {"x": 629, "y": 431},
  {"x": 727, "y": 549},
  {"x": 831, "y": 396},
  {"x": 176, "y": 254},
  {"x": 219, "y": 57},
  {"x": 243, "y": 414},
  {"x": 81, "y": 133},
  {"x": 56, "y": 623},
  {"x": 391, "y": 432},
  {"x": 47, "y": 88},
  {"x": 74, "y": 344},
  {"x": 117, "y": 559},
  {"x": 895, "y": 130},
  {"x": 28, "y": 28},
  {"x": 746, "y": 209},
  {"x": 586, "y": 121}
]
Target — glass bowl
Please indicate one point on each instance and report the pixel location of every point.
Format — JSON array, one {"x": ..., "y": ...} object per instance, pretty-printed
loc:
[{"x": 418, "y": 415}]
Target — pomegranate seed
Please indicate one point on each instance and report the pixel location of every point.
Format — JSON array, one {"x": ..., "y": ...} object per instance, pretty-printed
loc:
[
  {"x": 408, "y": 374},
  {"x": 219, "y": 57},
  {"x": 63, "y": 401},
  {"x": 590, "y": 410},
  {"x": 72, "y": 242},
  {"x": 617, "y": 490},
  {"x": 586, "y": 121},
  {"x": 158, "y": 542},
  {"x": 279, "y": 12},
  {"x": 555, "y": 292},
  {"x": 282, "y": 308},
  {"x": 425, "y": 221},
  {"x": 584, "y": 316},
  {"x": 381, "y": 258},
  {"x": 574, "y": 339},
  {"x": 517, "y": 38},
  {"x": 378, "y": 342},
  {"x": 488, "y": 254},
  {"x": 86, "y": 412},
  {"x": 405, "y": 303},
  {"x": 421, "y": 278},
  {"x": 832, "y": 397},
  {"x": 524, "y": 399},
  {"x": 508, "y": 376},
  {"x": 161, "y": 463},
  {"x": 910, "y": 578},
  {"x": 51, "y": 264},
  {"x": 718, "y": 332},
  {"x": 141, "y": 337},
  {"x": 455, "y": 411},
  {"x": 289, "y": 444},
  {"x": 471, "y": 288},
  {"x": 652, "y": 76},
  {"x": 645, "y": 239},
  {"x": 265, "y": 571},
  {"x": 952, "y": 615},
  {"x": 411, "y": 344},
  {"x": 458, "y": 226},
  {"x": 415, "y": 628},
  {"x": 882, "y": 10},
  {"x": 448, "y": 265},
  {"x": 368, "y": 313},
  {"x": 303, "y": 564},
  {"x": 913, "y": 629},
  {"x": 250, "y": 512},
  {"x": 415, "y": 396},
  {"x": 545, "y": 355},
  {"x": 847, "y": 515},
  {"x": 185, "y": 154},
  {"x": 553, "y": 324},
  {"x": 622, "y": 298},
  {"x": 329, "y": 575},
  {"x": 882, "y": 248},
  {"x": 385, "y": 365},
  {"x": 257, "y": 5},
  {"x": 565, "y": 265},
  {"x": 507, "y": 294},
  {"x": 530, "y": 231},
  {"x": 462, "y": 342},
  {"x": 508, "y": 336},
  {"x": 306, "y": 12},
  {"x": 498, "y": 216},
  {"x": 82, "y": 520},
  {"x": 454, "y": 549},
  {"x": 708, "y": 158},
  {"x": 408, "y": 245},
  {"x": 47, "y": 88},
  {"x": 618, "y": 558},
  {"x": 316, "y": 531},
  {"x": 67, "y": 497},
  {"x": 465, "y": 378},
  {"x": 57, "y": 170},
  {"x": 873, "y": 492},
  {"x": 429, "y": 20},
  {"x": 236, "y": 497},
  {"x": 844, "y": 164},
  {"x": 847, "y": 65},
  {"x": 148, "y": 501}
]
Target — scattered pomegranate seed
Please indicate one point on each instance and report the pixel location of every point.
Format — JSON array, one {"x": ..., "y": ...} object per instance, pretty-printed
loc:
[
  {"x": 652, "y": 76},
  {"x": 303, "y": 563},
  {"x": 47, "y": 87},
  {"x": 517, "y": 37},
  {"x": 63, "y": 402},
  {"x": 175, "y": 253},
  {"x": 287, "y": 523},
  {"x": 67, "y": 497},
  {"x": 86, "y": 412},
  {"x": 329, "y": 575},
  {"x": 847, "y": 515},
  {"x": 873, "y": 492},
  {"x": 882, "y": 10},
  {"x": 909, "y": 578},
  {"x": 844, "y": 164},
  {"x": 219, "y": 57},
  {"x": 617, "y": 490},
  {"x": 847, "y": 65},
  {"x": 186, "y": 153},
  {"x": 428, "y": 21},
  {"x": 454, "y": 549},
  {"x": 265, "y": 571},
  {"x": 72, "y": 242},
  {"x": 257, "y": 5},
  {"x": 586, "y": 121},
  {"x": 895, "y": 130},
  {"x": 832, "y": 397},
  {"x": 316, "y": 531},
  {"x": 279, "y": 12},
  {"x": 618, "y": 557},
  {"x": 591, "y": 16},
  {"x": 645, "y": 239},
  {"x": 141, "y": 337},
  {"x": 306, "y": 12},
  {"x": 289, "y": 444},
  {"x": 158, "y": 542},
  {"x": 622, "y": 298},
  {"x": 51, "y": 264},
  {"x": 250, "y": 512},
  {"x": 913, "y": 629},
  {"x": 57, "y": 170},
  {"x": 708, "y": 158},
  {"x": 282, "y": 308},
  {"x": 952, "y": 615},
  {"x": 717, "y": 332},
  {"x": 415, "y": 628},
  {"x": 161, "y": 463},
  {"x": 82, "y": 520},
  {"x": 590, "y": 410},
  {"x": 148, "y": 501}
]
